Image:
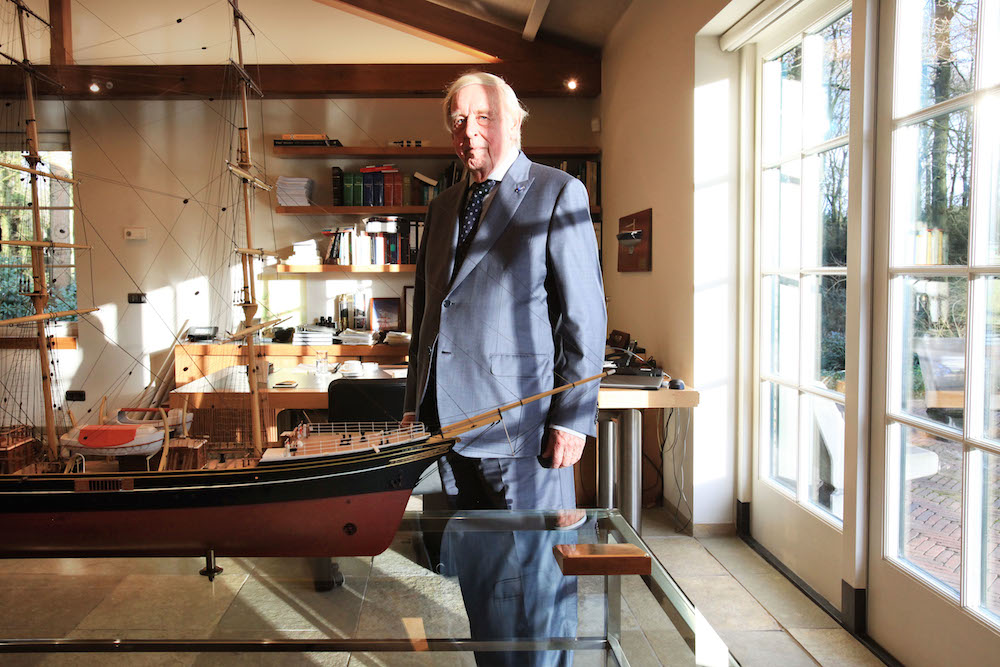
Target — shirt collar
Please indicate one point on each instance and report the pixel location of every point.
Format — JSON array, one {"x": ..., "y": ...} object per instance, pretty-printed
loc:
[{"x": 502, "y": 168}]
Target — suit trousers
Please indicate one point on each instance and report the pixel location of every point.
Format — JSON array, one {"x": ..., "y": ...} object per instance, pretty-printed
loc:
[{"x": 510, "y": 581}]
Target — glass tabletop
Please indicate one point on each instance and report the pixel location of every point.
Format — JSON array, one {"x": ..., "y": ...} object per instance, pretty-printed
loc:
[{"x": 454, "y": 588}]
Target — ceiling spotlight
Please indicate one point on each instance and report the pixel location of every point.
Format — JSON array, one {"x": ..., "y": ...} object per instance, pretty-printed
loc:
[
  {"x": 571, "y": 84},
  {"x": 94, "y": 88}
]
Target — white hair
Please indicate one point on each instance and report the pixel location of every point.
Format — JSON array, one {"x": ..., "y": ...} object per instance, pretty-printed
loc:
[{"x": 510, "y": 106}]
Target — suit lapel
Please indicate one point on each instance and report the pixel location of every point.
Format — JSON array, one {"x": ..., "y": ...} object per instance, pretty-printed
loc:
[
  {"x": 510, "y": 194},
  {"x": 447, "y": 240}
]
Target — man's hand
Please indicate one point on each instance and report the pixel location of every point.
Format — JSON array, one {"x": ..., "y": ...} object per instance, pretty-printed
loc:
[
  {"x": 564, "y": 449},
  {"x": 566, "y": 519}
]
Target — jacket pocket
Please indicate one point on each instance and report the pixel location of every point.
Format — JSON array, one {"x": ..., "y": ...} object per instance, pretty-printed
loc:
[{"x": 520, "y": 365}]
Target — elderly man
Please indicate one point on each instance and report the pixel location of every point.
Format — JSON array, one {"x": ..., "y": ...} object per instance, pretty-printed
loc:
[{"x": 508, "y": 303}]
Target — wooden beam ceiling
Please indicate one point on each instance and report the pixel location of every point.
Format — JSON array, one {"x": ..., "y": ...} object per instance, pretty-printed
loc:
[
  {"x": 534, "y": 20},
  {"x": 295, "y": 81},
  {"x": 534, "y": 69},
  {"x": 61, "y": 35},
  {"x": 427, "y": 19}
]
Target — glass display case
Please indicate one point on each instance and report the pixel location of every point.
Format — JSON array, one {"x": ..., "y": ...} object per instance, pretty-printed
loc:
[{"x": 454, "y": 588}]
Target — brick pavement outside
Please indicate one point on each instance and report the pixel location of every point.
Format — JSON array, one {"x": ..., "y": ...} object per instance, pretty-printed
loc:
[{"x": 933, "y": 530}]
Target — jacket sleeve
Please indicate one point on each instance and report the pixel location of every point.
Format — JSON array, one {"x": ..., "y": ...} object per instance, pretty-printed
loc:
[
  {"x": 419, "y": 296},
  {"x": 577, "y": 308}
]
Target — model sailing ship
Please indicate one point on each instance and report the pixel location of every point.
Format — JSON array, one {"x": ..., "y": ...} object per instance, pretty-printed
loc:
[{"x": 330, "y": 490}]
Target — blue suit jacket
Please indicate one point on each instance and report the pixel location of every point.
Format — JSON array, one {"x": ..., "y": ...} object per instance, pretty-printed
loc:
[{"x": 524, "y": 313}]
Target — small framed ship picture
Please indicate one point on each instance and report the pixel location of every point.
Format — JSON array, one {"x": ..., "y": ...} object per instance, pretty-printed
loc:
[{"x": 385, "y": 314}]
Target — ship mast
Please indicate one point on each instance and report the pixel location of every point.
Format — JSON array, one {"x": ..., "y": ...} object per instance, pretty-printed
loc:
[
  {"x": 39, "y": 294},
  {"x": 248, "y": 183}
]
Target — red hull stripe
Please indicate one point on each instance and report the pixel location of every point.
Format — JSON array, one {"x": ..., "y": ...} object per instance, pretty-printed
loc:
[{"x": 360, "y": 525}]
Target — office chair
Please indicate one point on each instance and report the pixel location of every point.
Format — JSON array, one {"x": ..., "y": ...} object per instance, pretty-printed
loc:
[{"x": 366, "y": 399}]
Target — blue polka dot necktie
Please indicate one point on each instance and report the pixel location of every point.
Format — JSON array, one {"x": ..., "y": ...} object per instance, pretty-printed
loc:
[{"x": 470, "y": 217}]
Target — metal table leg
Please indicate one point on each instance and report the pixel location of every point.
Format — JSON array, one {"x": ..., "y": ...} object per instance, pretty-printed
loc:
[
  {"x": 607, "y": 459},
  {"x": 631, "y": 468}
]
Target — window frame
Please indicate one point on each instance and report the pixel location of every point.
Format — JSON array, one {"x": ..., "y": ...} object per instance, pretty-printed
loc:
[
  {"x": 52, "y": 142},
  {"x": 894, "y": 418},
  {"x": 814, "y": 20}
]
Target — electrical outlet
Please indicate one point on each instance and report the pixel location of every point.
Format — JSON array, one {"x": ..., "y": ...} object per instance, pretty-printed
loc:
[
  {"x": 136, "y": 297},
  {"x": 76, "y": 395}
]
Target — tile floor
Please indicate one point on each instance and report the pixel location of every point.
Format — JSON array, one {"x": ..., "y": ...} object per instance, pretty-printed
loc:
[{"x": 761, "y": 616}]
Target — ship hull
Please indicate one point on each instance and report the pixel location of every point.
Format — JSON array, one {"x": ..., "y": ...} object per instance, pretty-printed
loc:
[{"x": 343, "y": 505}]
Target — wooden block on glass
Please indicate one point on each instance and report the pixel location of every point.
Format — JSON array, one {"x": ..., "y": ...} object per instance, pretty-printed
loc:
[{"x": 601, "y": 559}]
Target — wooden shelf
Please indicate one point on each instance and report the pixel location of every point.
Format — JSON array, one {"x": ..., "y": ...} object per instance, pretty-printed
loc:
[
  {"x": 421, "y": 152},
  {"x": 347, "y": 268},
  {"x": 31, "y": 343},
  {"x": 350, "y": 210},
  {"x": 364, "y": 210}
]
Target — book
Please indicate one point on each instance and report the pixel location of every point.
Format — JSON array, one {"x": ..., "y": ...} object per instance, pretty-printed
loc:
[
  {"x": 299, "y": 136},
  {"x": 368, "y": 191},
  {"x": 389, "y": 189},
  {"x": 426, "y": 179},
  {"x": 382, "y": 225},
  {"x": 397, "y": 189},
  {"x": 380, "y": 167},
  {"x": 337, "y": 182},
  {"x": 349, "y": 189},
  {"x": 378, "y": 189},
  {"x": 413, "y": 242},
  {"x": 358, "y": 190},
  {"x": 307, "y": 142},
  {"x": 407, "y": 186}
]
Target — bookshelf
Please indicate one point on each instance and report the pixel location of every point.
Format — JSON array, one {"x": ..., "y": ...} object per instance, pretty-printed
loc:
[
  {"x": 547, "y": 154},
  {"x": 534, "y": 152},
  {"x": 365, "y": 210},
  {"x": 350, "y": 210},
  {"x": 345, "y": 268}
]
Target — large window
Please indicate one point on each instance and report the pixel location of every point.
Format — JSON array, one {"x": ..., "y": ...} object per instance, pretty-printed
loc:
[
  {"x": 804, "y": 112},
  {"x": 943, "y": 410},
  {"x": 16, "y": 223}
]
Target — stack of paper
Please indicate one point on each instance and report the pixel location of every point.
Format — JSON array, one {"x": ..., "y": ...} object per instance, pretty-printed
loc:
[
  {"x": 355, "y": 337},
  {"x": 294, "y": 191},
  {"x": 304, "y": 252},
  {"x": 397, "y": 338},
  {"x": 312, "y": 336}
]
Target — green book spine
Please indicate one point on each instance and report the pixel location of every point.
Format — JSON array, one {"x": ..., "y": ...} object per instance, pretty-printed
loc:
[
  {"x": 358, "y": 185},
  {"x": 348, "y": 189}
]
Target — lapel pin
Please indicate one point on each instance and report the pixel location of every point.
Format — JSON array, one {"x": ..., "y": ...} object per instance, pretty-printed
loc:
[{"x": 519, "y": 189}]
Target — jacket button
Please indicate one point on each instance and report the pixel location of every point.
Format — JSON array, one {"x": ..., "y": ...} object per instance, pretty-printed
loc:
[{"x": 446, "y": 303}]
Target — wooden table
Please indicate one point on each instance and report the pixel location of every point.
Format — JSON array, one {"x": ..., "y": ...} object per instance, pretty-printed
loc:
[
  {"x": 619, "y": 443},
  {"x": 228, "y": 388},
  {"x": 193, "y": 361},
  {"x": 620, "y": 419}
]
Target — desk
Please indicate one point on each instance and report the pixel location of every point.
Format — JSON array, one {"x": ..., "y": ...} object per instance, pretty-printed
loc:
[
  {"x": 623, "y": 408},
  {"x": 228, "y": 388}
]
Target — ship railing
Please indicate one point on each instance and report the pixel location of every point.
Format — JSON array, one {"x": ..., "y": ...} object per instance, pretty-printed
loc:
[{"x": 344, "y": 437}]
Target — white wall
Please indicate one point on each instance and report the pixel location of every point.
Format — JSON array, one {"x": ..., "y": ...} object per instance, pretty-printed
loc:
[
  {"x": 137, "y": 162},
  {"x": 716, "y": 278},
  {"x": 648, "y": 110}
]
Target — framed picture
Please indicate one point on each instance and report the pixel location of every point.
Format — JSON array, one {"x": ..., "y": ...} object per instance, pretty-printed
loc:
[
  {"x": 635, "y": 241},
  {"x": 385, "y": 314},
  {"x": 408, "y": 294}
]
